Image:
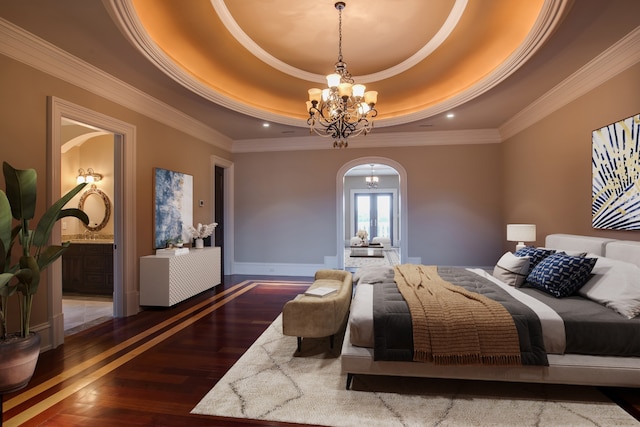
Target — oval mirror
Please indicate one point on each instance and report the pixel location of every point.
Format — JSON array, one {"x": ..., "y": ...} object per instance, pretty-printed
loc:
[{"x": 95, "y": 203}]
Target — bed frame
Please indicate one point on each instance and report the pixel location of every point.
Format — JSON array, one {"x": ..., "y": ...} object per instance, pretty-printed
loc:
[{"x": 562, "y": 369}]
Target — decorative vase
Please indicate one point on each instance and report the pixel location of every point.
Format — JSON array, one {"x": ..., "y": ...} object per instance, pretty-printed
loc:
[
  {"x": 199, "y": 243},
  {"x": 18, "y": 358}
]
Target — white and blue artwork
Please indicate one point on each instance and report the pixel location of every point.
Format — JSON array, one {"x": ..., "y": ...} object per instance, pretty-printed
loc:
[
  {"x": 173, "y": 206},
  {"x": 616, "y": 175}
]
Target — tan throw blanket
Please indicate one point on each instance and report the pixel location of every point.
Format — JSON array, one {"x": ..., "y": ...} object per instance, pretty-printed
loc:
[{"x": 452, "y": 326}]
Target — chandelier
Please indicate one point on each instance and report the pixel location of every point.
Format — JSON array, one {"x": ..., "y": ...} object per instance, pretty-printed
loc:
[
  {"x": 372, "y": 181},
  {"x": 343, "y": 109}
]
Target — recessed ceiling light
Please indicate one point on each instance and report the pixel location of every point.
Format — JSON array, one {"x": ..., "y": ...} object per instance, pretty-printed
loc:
[
  {"x": 265, "y": 125},
  {"x": 450, "y": 116}
]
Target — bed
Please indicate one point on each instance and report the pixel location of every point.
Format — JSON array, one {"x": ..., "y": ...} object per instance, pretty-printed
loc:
[{"x": 566, "y": 362}]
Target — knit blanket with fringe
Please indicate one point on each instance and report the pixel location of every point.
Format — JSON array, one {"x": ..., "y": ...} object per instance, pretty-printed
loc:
[{"x": 453, "y": 326}]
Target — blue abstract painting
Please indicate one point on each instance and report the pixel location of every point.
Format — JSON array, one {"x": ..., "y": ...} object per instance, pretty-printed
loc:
[
  {"x": 173, "y": 206},
  {"x": 616, "y": 175}
]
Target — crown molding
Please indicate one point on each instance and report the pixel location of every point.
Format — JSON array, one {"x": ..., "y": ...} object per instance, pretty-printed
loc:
[
  {"x": 374, "y": 140},
  {"x": 35, "y": 52},
  {"x": 124, "y": 15},
  {"x": 24, "y": 47},
  {"x": 619, "y": 57}
]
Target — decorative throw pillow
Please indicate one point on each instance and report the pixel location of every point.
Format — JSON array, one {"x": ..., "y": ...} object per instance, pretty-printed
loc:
[
  {"x": 511, "y": 269},
  {"x": 616, "y": 285},
  {"x": 536, "y": 254},
  {"x": 560, "y": 274}
]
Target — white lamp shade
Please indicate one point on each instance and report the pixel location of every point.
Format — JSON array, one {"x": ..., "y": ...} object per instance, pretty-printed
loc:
[
  {"x": 358, "y": 90},
  {"x": 315, "y": 94},
  {"x": 521, "y": 232},
  {"x": 371, "y": 97},
  {"x": 333, "y": 80}
]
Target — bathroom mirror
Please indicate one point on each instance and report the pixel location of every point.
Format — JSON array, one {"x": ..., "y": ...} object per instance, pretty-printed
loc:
[{"x": 95, "y": 203}]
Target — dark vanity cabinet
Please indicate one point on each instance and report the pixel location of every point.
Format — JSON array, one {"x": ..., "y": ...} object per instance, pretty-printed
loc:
[{"x": 87, "y": 268}]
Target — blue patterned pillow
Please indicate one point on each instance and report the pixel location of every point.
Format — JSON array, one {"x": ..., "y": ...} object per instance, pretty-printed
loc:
[
  {"x": 535, "y": 255},
  {"x": 560, "y": 274}
]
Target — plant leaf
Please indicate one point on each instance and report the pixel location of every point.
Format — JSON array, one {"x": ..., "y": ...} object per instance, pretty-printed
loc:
[
  {"x": 48, "y": 220},
  {"x": 5, "y": 230},
  {"x": 21, "y": 190},
  {"x": 28, "y": 275},
  {"x": 50, "y": 254}
]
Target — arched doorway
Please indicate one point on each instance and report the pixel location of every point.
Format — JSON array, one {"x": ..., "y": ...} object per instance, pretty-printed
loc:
[{"x": 347, "y": 194}]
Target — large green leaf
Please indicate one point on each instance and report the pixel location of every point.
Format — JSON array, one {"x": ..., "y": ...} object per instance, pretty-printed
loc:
[
  {"x": 21, "y": 190},
  {"x": 28, "y": 275},
  {"x": 5, "y": 230},
  {"x": 55, "y": 212},
  {"x": 50, "y": 254}
]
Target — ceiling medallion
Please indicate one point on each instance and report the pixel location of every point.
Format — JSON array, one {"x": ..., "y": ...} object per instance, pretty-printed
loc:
[{"x": 343, "y": 109}]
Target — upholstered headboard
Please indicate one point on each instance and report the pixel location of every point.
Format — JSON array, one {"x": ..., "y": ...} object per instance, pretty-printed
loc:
[
  {"x": 571, "y": 242},
  {"x": 623, "y": 250}
]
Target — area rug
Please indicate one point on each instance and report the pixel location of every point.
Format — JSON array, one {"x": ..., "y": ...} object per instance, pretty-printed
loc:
[{"x": 273, "y": 382}]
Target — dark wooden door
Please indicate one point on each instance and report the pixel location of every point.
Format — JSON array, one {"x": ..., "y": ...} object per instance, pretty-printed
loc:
[{"x": 219, "y": 214}]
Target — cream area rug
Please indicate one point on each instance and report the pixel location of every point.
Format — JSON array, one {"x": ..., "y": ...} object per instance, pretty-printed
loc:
[{"x": 273, "y": 382}]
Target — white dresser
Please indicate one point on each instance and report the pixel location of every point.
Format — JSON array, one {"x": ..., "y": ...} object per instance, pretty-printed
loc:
[{"x": 166, "y": 280}]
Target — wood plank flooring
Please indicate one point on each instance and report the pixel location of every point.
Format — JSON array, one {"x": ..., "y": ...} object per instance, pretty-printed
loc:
[{"x": 153, "y": 368}]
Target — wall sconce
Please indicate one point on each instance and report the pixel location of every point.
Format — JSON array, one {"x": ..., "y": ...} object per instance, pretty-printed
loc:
[
  {"x": 89, "y": 177},
  {"x": 521, "y": 233}
]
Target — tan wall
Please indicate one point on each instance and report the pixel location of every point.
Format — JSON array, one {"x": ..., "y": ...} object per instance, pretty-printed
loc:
[
  {"x": 23, "y": 121},
  {"x": 547, "y": 167}
]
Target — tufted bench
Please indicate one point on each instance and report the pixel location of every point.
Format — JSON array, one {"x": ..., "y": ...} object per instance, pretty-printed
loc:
[{"x": 317, "y": 317}]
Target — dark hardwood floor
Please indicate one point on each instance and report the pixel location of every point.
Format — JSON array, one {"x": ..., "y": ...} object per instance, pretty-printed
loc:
[{"x": 153, "y": 368}]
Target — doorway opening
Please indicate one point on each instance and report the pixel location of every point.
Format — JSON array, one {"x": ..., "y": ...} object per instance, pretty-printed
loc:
[
  {"x": 371, "y": 202},
  {"x": 87, "y": 155},
  {"x": 123, "y": 269}
]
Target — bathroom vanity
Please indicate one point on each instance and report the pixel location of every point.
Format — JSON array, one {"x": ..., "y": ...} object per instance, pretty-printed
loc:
[{"x": 87, "y": 268}]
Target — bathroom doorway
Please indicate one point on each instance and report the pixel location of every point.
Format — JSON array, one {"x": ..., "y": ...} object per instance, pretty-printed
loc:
[
  {"x": 124, "y": 272},
  {"x": 87, "y": 155}
]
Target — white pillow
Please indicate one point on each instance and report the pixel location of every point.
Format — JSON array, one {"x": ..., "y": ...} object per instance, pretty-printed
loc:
[
  {"x": 511, "y": 269},
  {"x": 616, "y": 285}
]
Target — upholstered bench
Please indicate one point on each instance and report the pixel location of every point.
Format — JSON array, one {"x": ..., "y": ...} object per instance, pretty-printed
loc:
[{"x": 316, "y": 317}]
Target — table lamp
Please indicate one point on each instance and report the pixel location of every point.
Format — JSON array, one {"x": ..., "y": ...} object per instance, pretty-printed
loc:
[{"x": 521, "y": 233}]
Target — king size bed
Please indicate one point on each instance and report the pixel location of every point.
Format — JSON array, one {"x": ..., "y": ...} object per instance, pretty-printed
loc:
[{"x": 588, "y": 335}]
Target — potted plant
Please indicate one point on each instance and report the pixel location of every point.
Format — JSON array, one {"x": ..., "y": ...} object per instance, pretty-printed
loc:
[{"x": 21, "y": 271}]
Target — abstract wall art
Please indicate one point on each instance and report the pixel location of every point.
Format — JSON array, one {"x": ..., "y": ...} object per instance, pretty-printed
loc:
[
  {"x": 173, "y": 211},
  {"x": 616, "y": 175}
]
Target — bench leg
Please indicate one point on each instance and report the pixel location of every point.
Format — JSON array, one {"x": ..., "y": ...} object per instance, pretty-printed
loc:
[
  {"x": 349, "y": 380},
  {"x": 299, "y": 344}
]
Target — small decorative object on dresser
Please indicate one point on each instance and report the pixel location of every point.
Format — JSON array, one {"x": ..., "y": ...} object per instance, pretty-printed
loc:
[
  {"x": 363, "y": 235},
  {"x": 200, "y": 232}
]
